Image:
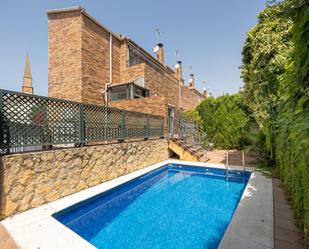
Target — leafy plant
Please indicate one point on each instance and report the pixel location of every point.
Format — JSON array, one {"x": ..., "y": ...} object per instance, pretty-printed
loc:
[
  {"x": 225, "y": 119},
  {"x": 276, "y": 75}
]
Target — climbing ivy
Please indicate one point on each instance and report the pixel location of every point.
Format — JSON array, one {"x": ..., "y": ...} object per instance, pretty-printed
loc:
[
  {"x": 265, "y": 54},
  {"x": 276, "y": 75}
]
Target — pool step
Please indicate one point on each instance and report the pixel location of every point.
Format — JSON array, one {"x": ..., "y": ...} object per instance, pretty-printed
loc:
[{"x": 232, "y": 176}]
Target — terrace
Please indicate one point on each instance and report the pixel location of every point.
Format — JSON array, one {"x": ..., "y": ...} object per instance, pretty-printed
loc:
[{"x": 64, "y": 131}]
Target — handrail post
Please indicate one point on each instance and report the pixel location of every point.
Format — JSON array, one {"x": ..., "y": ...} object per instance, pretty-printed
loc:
[
  {"x": 243, "y": 159},
  {"x": 227, "y": 166},
  {"x": 122, "y": 126},
  {"x": 81, "y": 125}
]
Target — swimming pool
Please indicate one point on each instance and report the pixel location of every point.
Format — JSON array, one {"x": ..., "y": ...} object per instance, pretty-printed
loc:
[{"x": 175, "y": 206}]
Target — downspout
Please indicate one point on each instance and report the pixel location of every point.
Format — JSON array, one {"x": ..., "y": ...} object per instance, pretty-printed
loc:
[
  {"x": 110, "y": 58},
  {"x": 110, "y": 67}
]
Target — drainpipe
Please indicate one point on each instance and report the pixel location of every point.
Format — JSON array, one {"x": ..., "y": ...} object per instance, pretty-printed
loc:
[{"x": 110, "y": 67}]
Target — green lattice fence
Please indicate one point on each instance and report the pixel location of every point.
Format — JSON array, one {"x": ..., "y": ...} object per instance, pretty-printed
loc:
[{"x": 30, "y": 120}]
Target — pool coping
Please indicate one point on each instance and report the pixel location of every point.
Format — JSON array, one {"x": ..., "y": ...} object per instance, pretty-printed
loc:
[
  {"x": 252, "y": 224},
  {"x": 36, "y": 228}
]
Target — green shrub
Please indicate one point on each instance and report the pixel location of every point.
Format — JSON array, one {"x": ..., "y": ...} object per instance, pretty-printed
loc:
[{"x": 226, "y": 120}]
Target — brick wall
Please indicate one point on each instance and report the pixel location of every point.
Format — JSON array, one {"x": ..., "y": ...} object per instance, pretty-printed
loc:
[
  {"x": 64, "y": 55},
  {"x": 190, "y": 98},
  {"x": 162, "y": 84},
  {"x": 79, "y": 58},
  {"x": 132, "y": 73},
  {"x": 95, "y": 60},
  {"x": 156, "y": 105}
]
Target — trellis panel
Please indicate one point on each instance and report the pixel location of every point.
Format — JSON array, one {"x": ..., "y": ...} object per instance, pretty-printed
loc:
[{"x": 30, "y": 120}]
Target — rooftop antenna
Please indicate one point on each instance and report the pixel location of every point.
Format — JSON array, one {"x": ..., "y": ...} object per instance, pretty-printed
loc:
[
  {"x": 204, "y": 84},
  {"x": 191, "y": 75},
  {"x": 158, "y": 35},
  {"x": 177, "y": 58},
  {"x": 177, "y": 54}
]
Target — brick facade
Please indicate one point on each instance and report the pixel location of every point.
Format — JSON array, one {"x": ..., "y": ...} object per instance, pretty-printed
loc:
[
  {"x": 79, "y": 65},
  {"x": 64, "y": 56},
  {"x": 190, "y": 98}
]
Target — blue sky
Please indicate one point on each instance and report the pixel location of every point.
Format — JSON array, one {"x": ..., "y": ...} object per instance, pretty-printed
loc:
[{"x": 208, "y": 34}]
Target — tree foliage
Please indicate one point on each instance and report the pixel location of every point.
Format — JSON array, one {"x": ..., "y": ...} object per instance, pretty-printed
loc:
[
  {"x": 276, "y": 75},
  {"x": 265, "y": 54},
  {"x": 225, "y": 119}
]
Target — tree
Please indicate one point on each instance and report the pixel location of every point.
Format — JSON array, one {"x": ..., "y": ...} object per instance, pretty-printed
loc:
[
  {"x": 226, "y": 120},
  {"x": 264, "y": 56}
]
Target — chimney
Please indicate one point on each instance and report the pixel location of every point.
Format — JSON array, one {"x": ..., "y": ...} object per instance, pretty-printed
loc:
[
  {"x": 205, "y": 93},
  {"x": 178, "y": 68},
  {"x": 191, "y": 81},
  {"x": 27, "y": 81},
  {"x": 160, "y": 53}
]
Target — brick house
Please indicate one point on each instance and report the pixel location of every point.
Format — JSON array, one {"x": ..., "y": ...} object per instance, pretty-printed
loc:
[{"x": 89, "y": 63}]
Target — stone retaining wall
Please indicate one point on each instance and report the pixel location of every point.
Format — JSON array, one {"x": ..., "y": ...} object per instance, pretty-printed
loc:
[{"x": 32, "y": 179}]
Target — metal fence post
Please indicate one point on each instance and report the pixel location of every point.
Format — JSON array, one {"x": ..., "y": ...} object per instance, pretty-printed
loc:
[
  {"x": 122, "y": 133},
  {"x": 162, "y": 129},
  {"x": 1, "y": 105},
  {"x": 81, "y": 125},
  {"x": 147, "y": 128},
  {"x": 1, "y": 122},
  {"x": 105, "y": 124}
]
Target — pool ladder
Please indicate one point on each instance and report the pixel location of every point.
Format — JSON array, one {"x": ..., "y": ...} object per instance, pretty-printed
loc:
[
  {"x": 243, "y": 164},
  {"x": 227, "y": 164}
]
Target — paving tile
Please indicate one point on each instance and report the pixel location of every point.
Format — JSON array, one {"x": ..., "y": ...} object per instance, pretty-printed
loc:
[
  {"x": 283, "y": 206},
  {"x": 279, "y": 195},
  {"x": 293, "y": 237},
  {"x": 283, "y": 245},
  {"x": 285, "y": 224},
  {"x": 287, "y": 235},
  {"x": 288, "y": 215},
  {"x": 6, "y": 242}
]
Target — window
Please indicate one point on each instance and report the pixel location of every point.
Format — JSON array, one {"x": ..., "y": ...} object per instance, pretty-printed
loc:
[
  {"x": 126, "y": 91},
  {"x": 134, "y": 56}
]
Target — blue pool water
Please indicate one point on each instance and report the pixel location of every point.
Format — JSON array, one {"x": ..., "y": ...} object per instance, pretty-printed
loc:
[{"x": 174, "y": 207}]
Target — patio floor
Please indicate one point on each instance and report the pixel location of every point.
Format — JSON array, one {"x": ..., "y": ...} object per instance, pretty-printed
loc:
[
  {"x": 287, "y": 235},
  {"x": 6, "y": 242}
]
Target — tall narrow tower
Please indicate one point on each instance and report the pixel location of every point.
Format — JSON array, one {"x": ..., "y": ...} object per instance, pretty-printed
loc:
[{"x": 27, "y": 81}]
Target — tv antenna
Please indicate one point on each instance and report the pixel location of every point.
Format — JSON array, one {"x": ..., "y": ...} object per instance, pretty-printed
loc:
[
  {"x": 177, "y": 54},
  {"x": 158, "y": 35},
  {"x": 204, "y": 84},
  {"x": 177, "y": 58}
]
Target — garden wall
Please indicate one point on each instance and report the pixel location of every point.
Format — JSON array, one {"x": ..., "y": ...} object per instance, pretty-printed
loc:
[{"x": 32, "y": 179}]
